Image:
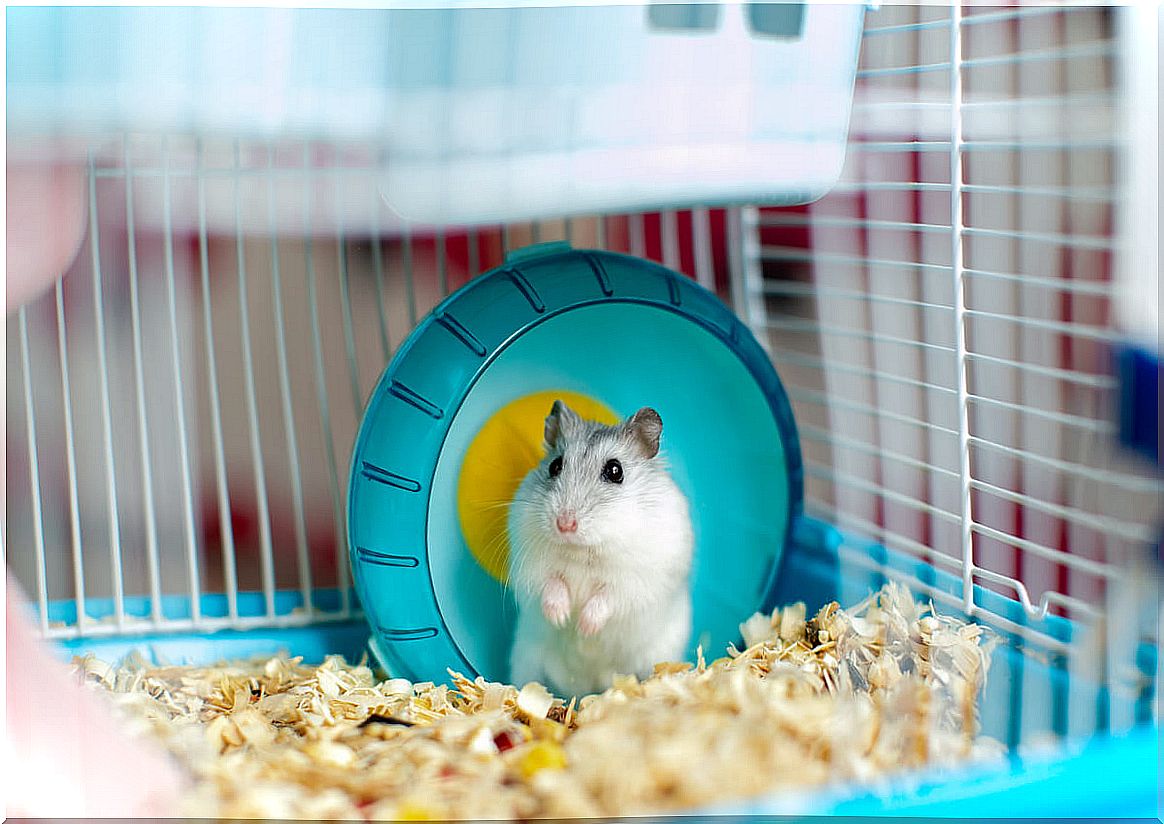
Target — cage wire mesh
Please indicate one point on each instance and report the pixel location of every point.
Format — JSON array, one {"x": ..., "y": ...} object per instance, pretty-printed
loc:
[{"x": 183, "y": 403}]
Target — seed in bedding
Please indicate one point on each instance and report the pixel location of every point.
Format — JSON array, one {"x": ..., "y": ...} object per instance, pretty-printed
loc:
[{"x": 542, "y": 755}]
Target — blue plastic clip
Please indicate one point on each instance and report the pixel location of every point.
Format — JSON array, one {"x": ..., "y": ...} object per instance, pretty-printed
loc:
[{"x": 1138, "y": 372}]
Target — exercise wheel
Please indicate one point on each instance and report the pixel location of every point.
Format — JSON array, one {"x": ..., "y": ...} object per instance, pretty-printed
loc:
[{"x": 456, "y": 421}]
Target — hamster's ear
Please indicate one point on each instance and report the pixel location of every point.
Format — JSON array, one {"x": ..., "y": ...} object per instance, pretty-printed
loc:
[
  {"x": 647, "y": 428},
  {"x": 560, "y": 420}
]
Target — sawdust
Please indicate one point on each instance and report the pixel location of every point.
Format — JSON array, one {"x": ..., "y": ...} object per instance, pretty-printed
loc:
[{"x": 848, "y": 696}]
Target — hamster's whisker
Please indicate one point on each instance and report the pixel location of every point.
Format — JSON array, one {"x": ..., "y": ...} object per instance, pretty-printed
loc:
[
  {"x": 486, "y": 507},
  {"x": 492, "y": 552},
  {"x": 517, "y": 561},
  {"x": 495, "y": 547},
  {"x": 490, "y": 503},
  {"x": 522, "y": 557}
]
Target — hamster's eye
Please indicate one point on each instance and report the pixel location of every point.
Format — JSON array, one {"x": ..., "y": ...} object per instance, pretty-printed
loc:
[
  {"x": 612, "y": 472},
  {"x": 556, "y": 467}
]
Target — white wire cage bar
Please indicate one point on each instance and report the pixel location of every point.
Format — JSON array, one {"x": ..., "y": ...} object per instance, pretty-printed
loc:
[{"x": 185, "y": 399}]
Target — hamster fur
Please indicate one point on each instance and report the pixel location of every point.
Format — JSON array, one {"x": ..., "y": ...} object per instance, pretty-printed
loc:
[{"x": 600, "y": 556}]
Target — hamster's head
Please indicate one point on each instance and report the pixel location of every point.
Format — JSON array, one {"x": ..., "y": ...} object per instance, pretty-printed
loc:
[{"x": 596, "y": 482}]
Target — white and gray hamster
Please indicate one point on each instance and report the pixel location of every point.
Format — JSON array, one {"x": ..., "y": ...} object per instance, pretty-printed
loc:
[{"x": 600, "y": 556}]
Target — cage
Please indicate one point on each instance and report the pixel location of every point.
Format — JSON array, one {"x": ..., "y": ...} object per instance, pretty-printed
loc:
[{"x": 964, "y": 317}]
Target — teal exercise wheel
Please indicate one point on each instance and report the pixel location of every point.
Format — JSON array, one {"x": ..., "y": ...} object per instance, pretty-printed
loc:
[{"x": 456, "y": 421}]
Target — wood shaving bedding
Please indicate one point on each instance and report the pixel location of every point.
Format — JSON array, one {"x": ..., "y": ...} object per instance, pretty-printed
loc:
[{"x": 850, "y": 695}]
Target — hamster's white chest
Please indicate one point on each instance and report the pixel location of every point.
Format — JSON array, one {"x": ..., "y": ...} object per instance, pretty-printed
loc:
[{"x": 646, "y": 620}]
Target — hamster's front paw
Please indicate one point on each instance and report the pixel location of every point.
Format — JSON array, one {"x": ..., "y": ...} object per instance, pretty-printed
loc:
[
  {"x": 595, "y": 613},
  {"x": 556, "y": 602}
]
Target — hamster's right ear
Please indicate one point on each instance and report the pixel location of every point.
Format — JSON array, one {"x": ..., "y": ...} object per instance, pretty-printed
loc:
[
  {"x": 560, "y": 420},
  {"x": 647, "y": 428}
]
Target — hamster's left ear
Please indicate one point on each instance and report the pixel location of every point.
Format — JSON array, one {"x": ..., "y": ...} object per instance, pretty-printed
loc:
[
  {"x": 561, "y": 421},
  {"x": 647, "y": 428}
]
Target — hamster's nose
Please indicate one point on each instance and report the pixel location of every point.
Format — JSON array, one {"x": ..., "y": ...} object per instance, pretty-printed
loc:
[{"x": 567, "y": 522}]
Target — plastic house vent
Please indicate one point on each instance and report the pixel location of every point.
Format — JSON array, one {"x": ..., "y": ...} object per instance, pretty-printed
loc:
[{"x": 769, "y": 19}]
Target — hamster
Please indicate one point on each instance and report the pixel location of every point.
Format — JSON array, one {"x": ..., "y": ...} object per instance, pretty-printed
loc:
[{"x": 600, "y": 556}]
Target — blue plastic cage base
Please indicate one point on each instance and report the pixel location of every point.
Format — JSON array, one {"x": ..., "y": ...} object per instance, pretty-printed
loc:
[
  {"x": 1107, "y": 779},
  {"x": 1103, "y": 778},
  {"x": 326, "y": 636}
]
